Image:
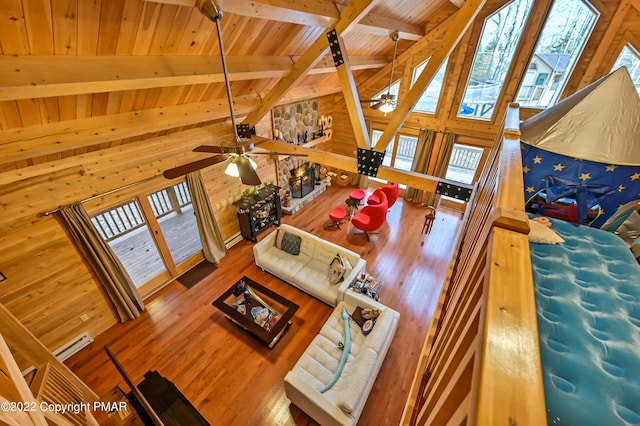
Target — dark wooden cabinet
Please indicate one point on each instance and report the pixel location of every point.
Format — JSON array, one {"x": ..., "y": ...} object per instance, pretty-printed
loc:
[{"x": 258, "y": 212}]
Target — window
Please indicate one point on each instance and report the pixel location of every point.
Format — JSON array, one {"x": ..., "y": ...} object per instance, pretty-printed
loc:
[
  {"x": 399, "y": 153},
  {"x": 463, "y": 163},
  {"x": 497, "y": 44},
  {"x": 151, "y": 258},
  {"x": 561, "y": 41},
  {"x": 630, "y": 58},
  {"x": 428, "y": 102}
]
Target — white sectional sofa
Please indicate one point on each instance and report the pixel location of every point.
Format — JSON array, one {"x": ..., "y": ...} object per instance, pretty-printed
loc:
[
  {"x": 344, "y": 402},
  {"x": 309, "y": 270}
]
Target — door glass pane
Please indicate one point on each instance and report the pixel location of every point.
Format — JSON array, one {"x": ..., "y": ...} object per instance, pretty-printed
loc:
[
  {"x": 463, "y": 163},
  {"x": 497, "y": 45},
  {"x": 173, "y": 209},
  {"x": 566, "y": 30},
  {"x": 406, "y": 151},
  {"x": 631, "y": 59},
  {"x": 388, "y": 152},
  {"x": 123, "y": 227}
]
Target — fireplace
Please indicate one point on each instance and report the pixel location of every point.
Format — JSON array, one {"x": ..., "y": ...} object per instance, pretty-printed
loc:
[{"x": 302, "y": 181}]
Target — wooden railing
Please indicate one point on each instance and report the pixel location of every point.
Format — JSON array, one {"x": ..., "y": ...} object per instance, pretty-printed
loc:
[{"x": 480, "y": 363}]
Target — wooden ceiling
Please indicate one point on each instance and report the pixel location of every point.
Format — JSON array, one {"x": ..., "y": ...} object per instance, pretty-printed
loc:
[{"x": 73, "y": 69}]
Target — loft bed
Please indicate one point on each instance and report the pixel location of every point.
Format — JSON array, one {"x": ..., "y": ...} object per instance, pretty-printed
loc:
[{"x": 481, "y": 362}]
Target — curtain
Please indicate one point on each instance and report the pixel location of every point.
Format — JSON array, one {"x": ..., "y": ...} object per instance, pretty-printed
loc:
[
  {"x": 442, "y": 164},
  {"x": 421, "y": 161},
  {"x": 110, "y": 272},
  {"x": 212, "y": 242}
]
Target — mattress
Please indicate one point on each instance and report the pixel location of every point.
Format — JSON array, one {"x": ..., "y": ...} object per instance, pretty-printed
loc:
[{"x": 588, "y": 307}]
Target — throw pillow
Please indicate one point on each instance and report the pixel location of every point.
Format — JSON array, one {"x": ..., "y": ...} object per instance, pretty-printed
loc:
[
  {"x": 288, "y": 242},
  {"x": 336, "y": 270},
  {"x": 541, "y": 234}
]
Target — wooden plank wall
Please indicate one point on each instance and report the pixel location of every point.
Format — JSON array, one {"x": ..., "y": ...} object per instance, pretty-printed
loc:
[
  {"x": 48, "y": 285},
  {"x": 486, "y": 316}
]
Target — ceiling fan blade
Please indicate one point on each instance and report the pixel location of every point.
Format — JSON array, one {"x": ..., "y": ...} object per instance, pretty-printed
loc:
[
  {"x": 369, "y": 100},
  {"x": 209, "y": 148},
  {"x": 279, "y": 153},
  {"x": 193, "y": 166},
  {"x": 248, "y": 175},
  {"x": 377, "y": 106}
]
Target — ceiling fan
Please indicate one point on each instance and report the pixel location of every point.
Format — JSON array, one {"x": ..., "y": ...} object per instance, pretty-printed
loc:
[
  {"x": 387, "y": 101},
  {"x": 236, "y": 150}
]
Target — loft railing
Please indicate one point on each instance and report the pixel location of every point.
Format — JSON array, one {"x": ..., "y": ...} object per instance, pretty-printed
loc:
[
  {"x": 127, "y": 217},
  {"x": 480, "y": 364}
]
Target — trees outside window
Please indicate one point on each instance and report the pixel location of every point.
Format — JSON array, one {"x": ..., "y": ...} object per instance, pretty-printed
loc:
[
  {"x": 564, "y": 35},
  {"x": 497, "y": 44},
  {"x": 630, "y": 58},
  {"x": 428, "y": 102}
]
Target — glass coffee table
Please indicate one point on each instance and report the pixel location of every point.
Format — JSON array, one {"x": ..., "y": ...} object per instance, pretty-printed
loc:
[{"x": 258, "y": 310}]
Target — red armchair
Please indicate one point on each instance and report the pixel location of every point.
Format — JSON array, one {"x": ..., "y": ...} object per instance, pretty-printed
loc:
[
  {"x": 371, "y": 217},
  {"x": 391, "y": 191}
]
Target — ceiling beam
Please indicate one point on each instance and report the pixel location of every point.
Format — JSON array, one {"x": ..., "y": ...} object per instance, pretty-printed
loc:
[
  {"x": 417, "y": 52},
  {"x": 22, "y": 76},
  {"x": 462, "y": 21},
  {"x": 320, "y": 13},
  {"x": 349, "y": 17},
  {"x": 349, "y": 90},
  {"x": 350, "y": 164},
  {"x": 33, "y": 141},
  {"x": 22, "y": 143}
]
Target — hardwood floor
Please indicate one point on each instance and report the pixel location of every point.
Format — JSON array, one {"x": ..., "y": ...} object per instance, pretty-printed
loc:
[{"x": 230, "y": 376}]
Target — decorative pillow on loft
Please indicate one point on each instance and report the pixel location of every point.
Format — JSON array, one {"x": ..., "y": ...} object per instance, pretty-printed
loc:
[
  {"x": 541, "y": 234},
  {"x": 337, "y": 268},
  {"x": 288, "y": 242}
]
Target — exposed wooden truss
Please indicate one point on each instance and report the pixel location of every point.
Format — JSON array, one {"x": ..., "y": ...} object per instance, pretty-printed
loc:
[
  {"x": 319, "y": 13},
  {"x": 23, "y": 76}
]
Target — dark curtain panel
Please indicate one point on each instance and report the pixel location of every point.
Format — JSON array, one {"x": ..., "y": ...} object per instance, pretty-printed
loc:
[{"x": 109, "y": 270}]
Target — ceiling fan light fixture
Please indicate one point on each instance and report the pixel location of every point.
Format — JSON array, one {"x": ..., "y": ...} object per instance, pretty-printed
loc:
[
  {"x": 232, "y": 169},
  {"x": 385, "y": 108},
  {"x": 253, "y": 163}
]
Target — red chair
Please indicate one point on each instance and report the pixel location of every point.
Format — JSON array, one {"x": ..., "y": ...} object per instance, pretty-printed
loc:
[
  {"x": 391, "y": 191},
  {"x": 371, "y": 217},
  {"x": 376, "y": 197}
]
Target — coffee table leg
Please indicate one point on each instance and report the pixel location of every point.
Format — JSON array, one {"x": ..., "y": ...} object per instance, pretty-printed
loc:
[{"x": 275, "y": 339}]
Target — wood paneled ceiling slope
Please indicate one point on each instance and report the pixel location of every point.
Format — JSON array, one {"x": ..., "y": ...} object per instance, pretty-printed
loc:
[{"x": 79, "y": 76}]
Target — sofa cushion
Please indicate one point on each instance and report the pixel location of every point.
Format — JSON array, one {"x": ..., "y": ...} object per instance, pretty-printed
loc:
[
  {"x": 283, "y": 264},
  {"x": 315, "y": 280},
  {"x": 360, "y": 372},
  {"x": 380, "y": 333}
]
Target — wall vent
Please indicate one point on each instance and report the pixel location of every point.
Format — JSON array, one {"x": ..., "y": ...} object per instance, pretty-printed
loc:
[{"x": 71, "y": 348}]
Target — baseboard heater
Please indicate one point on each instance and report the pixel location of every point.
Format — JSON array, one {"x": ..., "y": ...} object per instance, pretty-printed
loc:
[{"x": 67, "y": 350}]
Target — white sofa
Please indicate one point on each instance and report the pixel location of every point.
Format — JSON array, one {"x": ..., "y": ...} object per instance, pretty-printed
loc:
[
  {"x": 343, "y": 403},
  {"x": 309, "y": 270}
]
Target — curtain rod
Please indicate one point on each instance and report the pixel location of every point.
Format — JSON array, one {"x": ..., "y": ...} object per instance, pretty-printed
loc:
[{"x": 93, "y": 197}]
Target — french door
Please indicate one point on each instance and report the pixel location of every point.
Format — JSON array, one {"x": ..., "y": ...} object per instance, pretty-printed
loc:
[{"x": 154, "y": 235}]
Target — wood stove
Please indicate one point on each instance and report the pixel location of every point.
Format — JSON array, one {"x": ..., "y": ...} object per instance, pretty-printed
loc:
[{"x": 302, "y": 180}]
